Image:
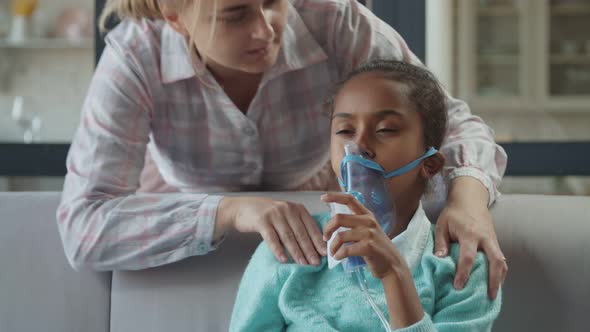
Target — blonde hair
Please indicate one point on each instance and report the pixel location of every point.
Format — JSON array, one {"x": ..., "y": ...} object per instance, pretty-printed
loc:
[
  {"x": 150, "y": 9},
  {"x": 136, "y": 9}
]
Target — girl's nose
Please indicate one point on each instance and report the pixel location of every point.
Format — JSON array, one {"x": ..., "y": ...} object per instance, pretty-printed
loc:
[
  {"x": 364, "y": 148},
  {"x": 368, "y": 154}
]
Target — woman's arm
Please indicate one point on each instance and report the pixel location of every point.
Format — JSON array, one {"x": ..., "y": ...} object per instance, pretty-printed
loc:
[{"x": 104, "y": 224}]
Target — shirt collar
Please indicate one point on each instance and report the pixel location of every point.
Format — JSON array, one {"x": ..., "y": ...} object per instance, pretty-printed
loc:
[
  {"x": 412, "y": 242},
  {"x": 299, "y": 49},
  {"x": 175, "y": 60}
]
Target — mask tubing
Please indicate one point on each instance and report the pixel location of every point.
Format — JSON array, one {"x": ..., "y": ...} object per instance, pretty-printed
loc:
[{"x": 363, "y": 286}]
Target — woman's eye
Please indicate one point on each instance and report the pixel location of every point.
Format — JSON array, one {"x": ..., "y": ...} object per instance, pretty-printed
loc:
[
  {"x": 233, "y": 19},
  {"x": 269, "y": 3}
]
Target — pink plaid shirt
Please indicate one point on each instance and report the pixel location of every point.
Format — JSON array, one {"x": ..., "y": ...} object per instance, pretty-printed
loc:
[{"x": 147, "y": 96}]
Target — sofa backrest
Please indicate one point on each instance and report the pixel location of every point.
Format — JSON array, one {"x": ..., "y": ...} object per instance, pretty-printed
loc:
[
  {"x": 545, "y": 239},
  {"x": 39, "y": 291}
]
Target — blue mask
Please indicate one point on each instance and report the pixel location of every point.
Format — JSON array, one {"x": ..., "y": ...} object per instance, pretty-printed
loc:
[
  {"x": 365, "y": 180},
  {"x": 355, "y": 158}
]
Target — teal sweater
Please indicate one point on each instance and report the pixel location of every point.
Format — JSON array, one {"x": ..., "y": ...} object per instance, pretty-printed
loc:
[{"x": 277, "y": 297}]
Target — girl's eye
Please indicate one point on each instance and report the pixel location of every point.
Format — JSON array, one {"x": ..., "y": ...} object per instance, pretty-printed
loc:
[
  {"x": 387, "y": 130},
  {"x": 344, "y": 132}
]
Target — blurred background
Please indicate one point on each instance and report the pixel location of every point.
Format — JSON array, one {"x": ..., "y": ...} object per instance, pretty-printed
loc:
[{"x": 522, "y": 65}]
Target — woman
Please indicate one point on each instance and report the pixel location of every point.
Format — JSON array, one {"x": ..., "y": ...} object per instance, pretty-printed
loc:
[{"x": 238, "y": 110}]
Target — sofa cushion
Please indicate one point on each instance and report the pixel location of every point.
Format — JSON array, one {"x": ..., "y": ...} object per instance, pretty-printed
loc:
[
  {"x": 546, "y": 240},
  {"x": 196, "y": 294},
  {"x": 543, "y": 237},
  {"x": 39, "y": 291}
]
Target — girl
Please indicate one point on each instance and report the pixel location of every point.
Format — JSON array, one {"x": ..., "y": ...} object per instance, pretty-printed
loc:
[{"x": 395, "y": 113}]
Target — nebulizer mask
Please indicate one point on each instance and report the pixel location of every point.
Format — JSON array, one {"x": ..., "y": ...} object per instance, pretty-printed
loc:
[{"x": 366, "y": 180}]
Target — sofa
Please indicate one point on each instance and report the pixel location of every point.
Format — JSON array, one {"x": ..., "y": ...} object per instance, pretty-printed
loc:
[{"x": 545, "y": 239}]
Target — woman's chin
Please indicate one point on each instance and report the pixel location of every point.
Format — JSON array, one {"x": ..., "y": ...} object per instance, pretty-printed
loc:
[{"x": 258, "y": 65}]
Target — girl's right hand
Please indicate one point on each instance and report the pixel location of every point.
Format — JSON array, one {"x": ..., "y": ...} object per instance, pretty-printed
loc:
[{"x": 281, "y": 224}]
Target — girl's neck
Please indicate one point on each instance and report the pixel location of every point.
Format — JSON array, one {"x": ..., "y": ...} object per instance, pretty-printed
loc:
[{"x": 404, "y": 215}]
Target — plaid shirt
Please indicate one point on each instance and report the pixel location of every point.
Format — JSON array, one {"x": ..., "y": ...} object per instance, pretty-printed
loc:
[{"x": 148, "y": 102}]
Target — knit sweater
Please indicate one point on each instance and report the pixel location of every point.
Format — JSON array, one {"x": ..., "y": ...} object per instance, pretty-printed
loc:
[{"x": 291, "y": 297}]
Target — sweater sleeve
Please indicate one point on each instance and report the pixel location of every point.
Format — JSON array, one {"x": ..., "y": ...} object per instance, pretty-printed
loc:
[
  {"x": 466, "y": 310},
  {"x": 257, "y": 303}
]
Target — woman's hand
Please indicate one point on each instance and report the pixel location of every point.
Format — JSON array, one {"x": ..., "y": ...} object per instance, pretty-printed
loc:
[
  {"x": 280, "y": 223},
  {"x": 365, "y": 237},
  {"x": 466, "y": 219}
]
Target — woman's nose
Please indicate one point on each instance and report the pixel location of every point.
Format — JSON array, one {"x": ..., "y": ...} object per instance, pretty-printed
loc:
[{"x": 263, "y": 29}]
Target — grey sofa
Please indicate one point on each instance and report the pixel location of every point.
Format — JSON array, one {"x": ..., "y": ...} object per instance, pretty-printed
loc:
[{"x": 545, "y": 238}]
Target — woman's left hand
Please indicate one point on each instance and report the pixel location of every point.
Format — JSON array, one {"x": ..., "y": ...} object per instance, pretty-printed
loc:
[
  {"x": 466, "y": 219},
  {"x": 365, "y": 237}
]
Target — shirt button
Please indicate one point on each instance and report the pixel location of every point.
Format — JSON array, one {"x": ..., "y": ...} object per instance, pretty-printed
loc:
[
  {"x": 248, "y": 131},
  {"x": 251, "y": 166},
  {"x": 203, "y": 248}
]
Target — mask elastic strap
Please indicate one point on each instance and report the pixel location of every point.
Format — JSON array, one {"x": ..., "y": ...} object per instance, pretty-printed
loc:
[
  {"x": 410, "y": 166},
  {"x": 359, "y": 160},
  {"x": 373, "y": 165}
]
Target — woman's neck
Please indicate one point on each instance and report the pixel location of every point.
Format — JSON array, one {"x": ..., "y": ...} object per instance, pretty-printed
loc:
[{"x": 239, "y": 86}]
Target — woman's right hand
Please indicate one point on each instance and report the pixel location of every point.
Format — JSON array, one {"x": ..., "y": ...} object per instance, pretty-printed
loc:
[{"x": 281, "y": 224}]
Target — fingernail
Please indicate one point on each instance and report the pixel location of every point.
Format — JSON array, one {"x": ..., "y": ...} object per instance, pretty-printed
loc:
[
  {"x": 315, "y": 261},
  {"x": 302, "y": 261},
  {"x": 440, "y": 253},
  {"x": 324, "y": 238},
  {"x": 283, "y": 259},
  {"x": 459, "y": 284}
]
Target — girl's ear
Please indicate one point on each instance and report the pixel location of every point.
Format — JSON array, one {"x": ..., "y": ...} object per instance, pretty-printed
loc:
[{"x": 432, "y": 165}]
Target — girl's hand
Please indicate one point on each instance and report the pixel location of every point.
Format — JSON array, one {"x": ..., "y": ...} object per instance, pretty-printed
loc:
[
  {"x": 280, "y": 223},
  {"x": 365, "y": 236}
]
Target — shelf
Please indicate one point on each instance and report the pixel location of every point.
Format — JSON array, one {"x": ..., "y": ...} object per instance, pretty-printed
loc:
[
  {"x": 47, "y": 43},
  {"x": 497, "y": 59},
  {"x": 497, "y": 10},
  {"x": 570, "y": 9},
  {"x": 558, "y": 59}
]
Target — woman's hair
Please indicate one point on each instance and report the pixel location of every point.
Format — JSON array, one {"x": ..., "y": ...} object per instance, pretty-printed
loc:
[
  {"x": 136, "y": 9},
  {"x": 424, "y": 92},
  {"x": 150, "y": 9}
]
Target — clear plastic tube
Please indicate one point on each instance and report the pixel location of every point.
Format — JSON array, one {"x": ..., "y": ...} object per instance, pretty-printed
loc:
[{"x": 363, "y": 286}]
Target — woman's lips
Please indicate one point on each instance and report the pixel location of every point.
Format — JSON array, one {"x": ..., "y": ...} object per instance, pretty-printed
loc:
[{"x": 262, "y": 51}]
